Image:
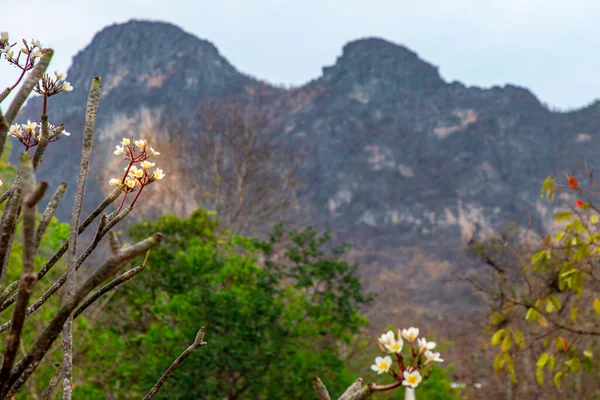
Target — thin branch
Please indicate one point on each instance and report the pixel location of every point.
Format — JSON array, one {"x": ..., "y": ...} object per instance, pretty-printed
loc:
[
  {"x": 53, "y": 383},
  {"x": 86, "y": 156},
  {"x": 320, "y": 389},
  {"x": 61, "y": 281},
  {"x": 198, "y": 342},
  {"x": 28, "y": 277},
  {"x": 108, "y": 287},
  {"x": 8, "y": 225},
  {"x": 27, "y": 365},
  {"x": 49, "y": 212},
  {"x": 43, "y": 143},
  {"x": 352, "y": 390},
  {"x": 50, "y": 263},
  {"x": 34, "y": 76}
]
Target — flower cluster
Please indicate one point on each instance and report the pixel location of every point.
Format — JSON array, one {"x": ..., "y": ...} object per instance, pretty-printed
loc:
[
  {"x": 136, "y": 176},
  {"x": 49, "y": 86},
  {"x": 30, "y": 51},
  {"x": 30, "y": 134},
  {"x": 409, "y": 372}
]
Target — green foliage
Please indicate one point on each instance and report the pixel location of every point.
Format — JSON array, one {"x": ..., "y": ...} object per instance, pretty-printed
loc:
[{"x": 275, "y": 310}]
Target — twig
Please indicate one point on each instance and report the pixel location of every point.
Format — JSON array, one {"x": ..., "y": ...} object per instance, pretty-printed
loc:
[
  {"x": 320, "y": 389},
  {"x": 53, "y": 383},
  {"x": 8, "y": 225},
  {"x": 28, "y": 277},
  {"x": 61, "y": 281},
  {"x": 198, "y": 342},
  {"x": 11, "y": 288},
  {"x": 49, "y": 212},
  {"x": 27, "y": 365},
  {"x": 34, "y": 76},
  {"x": 108, "y": 287},
  {"x": 86, "y": 156},
  {"x": 43, "y": 143}
]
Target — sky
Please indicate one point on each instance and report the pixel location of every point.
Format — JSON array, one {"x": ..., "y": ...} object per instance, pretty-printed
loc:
[{"x": 548, "y": 46}]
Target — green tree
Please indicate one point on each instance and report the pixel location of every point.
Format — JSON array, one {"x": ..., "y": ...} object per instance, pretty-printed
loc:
[{"x": 276, "y": 311}]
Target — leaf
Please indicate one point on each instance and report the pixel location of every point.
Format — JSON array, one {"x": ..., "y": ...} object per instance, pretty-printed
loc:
[
  {"x": 550, "y": 306},
  {"x": 542, "y": 321},
  {"x": 574, "y": 364},
  {"x": 519, "y": 338},
  {"x": 563, "y": 216},
  {"x": 539, "y": 376},
  {"x": 499, "y": 362},
  {"x": 559, "y": 236},
  {"x": 573, "y": 314},
  {"x": 537, "y": 256},
  {"x": 557, "y": 378},
  {"x": 556, "y": 302},
  {"x": 551, "y": 363},
  {"x": 597, "y": 305},
  {"x": 543, "y": 359},
  {"x": 594, "y": 219},
  {"x": 531, "y": 315},
  {"x": 497, "y": 337},
  {"x": 561, "y": 344},
  {"x": 506, "y": 343}
]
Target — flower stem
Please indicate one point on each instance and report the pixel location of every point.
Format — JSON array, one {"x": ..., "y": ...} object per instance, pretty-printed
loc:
[
  {"x": 122, "y": 202},
  {"x": 136, "y": 196}
]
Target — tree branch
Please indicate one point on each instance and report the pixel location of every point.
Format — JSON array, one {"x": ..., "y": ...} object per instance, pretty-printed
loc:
[
  {"x": 197, "y": 343},
  {"x": 27, "y": 365}
]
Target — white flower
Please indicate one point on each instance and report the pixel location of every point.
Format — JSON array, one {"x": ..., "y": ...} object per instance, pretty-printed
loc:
[
  {"x": 9, "y": 54},
  {"x": 65, "y": 133},
  {"x": 131, "y": 182},
  {"x": 134, "y": 171},
  {"x": 4, "y": 36},
  {"x": 153, "y": 152},
  {"x": 37, "y": 44},
  {"x": 387, "y": 338},
  {"x": 30, "y": 126},
  {"x": 395, "y": 346},
  {"x": 412, "y": 379},
  {"x": 382, "y": 364},
  {"x": 146, "y": 164},
  {"x": 158, "y": 174},
  {"x": 114, "y": 182},
  {"x": 432, "y": 357},
  {"x": 15, "y": 130},
  {"x": 120, "y": 150},
  {"x": 125, "y": 142},
  {"x": 37, "y": 54},
  {"x": 410, "y": 334},
  {"x": 59, "y": 75},
  {"x": 141, "y": 143},
  {"x": 66, "y": 87},
  {"x": 424, "y": 345},
  {"x": 1, "y": 183}
]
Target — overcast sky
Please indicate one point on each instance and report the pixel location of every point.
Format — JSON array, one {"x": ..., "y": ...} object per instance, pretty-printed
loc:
[{"x": 549, "y": 46}]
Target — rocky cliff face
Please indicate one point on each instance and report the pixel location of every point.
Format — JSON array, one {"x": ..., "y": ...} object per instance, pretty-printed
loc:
[{"x": 401, "y": 163}]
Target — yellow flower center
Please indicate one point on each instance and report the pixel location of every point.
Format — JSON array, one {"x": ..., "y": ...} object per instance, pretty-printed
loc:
[
  {"x": 412, "y": 379},
  {"x": 395, "y": 347},
  {"x": 383, "y": 366}
]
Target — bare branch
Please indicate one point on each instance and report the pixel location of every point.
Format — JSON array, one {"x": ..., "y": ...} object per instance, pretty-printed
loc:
[
  {"x": 27, "y": 365},
  {"x": 34, "y": 76},
  {"x": 61, "y": 281},
  {"x": 28, "y": 277},
  {"x": 320, "y": 389},
  {"x": 177, "y": 363},
  {"x": 53, "y": 383},
  {"x": 49, "y": 212},
  {"x": 108, "y": 287},
  {"x": 43, "y": 144},
  {"x": 8, "y": 225},
  {"x": 86, "y": 156},
  {"x": 50, "y": 263}
]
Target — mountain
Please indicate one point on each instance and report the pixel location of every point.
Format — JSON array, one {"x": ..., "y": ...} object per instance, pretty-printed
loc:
[{"x": 399, "y": 162}]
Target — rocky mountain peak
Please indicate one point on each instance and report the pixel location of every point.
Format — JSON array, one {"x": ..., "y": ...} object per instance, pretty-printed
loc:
[{"x": 377, "y": 59}]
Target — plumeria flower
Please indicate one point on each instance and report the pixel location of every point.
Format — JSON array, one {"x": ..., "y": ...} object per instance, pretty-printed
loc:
[
  {"x": 65, "y": 133},
  {"x": 141, "y": 143},
  {"x": 125, "y": 142},
  {"x": 37, "y": 53},
  {"x": 387, "y": 338},
  {"x": 131, "y": 182},
  {"x": 432, "y": 357},
  {"x": 382, "y": 364},
  {"x": 153, "y": 152},
  {"x": 114, "y": 182},
  {"x": 424, "y": 345},
  {"x": 146, "y": 164},
  {"x": 59, "y": 75},
  {"x": 119, "y": 150},
  {"x": 412, "y": 379},
  {"x": 37, "y": 44},
  {"x": 410, "y": 334},
  {"x": 395, "y": 346},
  {"x": 30, "y": 125},
  {"x": 16, "y": 131},
  {"x": 66, "y": 87},
  {"x": 4, "y": 36},
  {"x": 158, "y": 174},
  {"x": 134, "y": 171}
]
